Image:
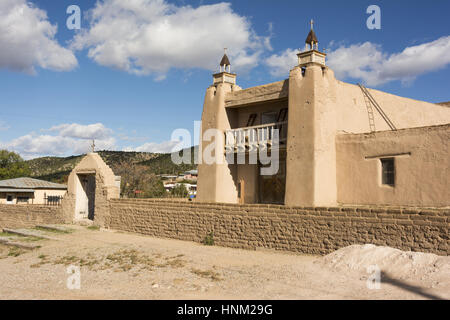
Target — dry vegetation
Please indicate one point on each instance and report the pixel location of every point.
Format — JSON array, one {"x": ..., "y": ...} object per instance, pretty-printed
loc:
[
  {"x": 210, "y": 274},
  {"x": 121, "y": 260},
  {"x": 7, "y": 251}
]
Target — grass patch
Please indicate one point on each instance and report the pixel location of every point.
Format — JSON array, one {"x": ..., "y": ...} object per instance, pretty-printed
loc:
[
  {"x": 31, "y": 239},
  {"x": 125, "y": 260},
  {"x": 67, "y": 260},
  {"x": 93, "y": 228},
  {"x": 175, "y": 263},
  {"x": 20, "y": 237},
  {"x": 209, "y": 239},
  {"x": 8, "y": 234},
  {"x": 210, "y": 274},
  {"x": 121, "y": 260},
  {"x": 44, "y": 260},
  {"x": 15, "y": 252}
]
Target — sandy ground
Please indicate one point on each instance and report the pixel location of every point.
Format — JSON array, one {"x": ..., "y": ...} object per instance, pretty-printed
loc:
[{"x": 116, "y": 265}]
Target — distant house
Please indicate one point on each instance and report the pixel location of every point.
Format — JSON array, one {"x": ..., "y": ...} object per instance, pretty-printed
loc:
[
  {"x": 191, "y": 188},
  {"x": 169, "y": 186},
  {"x": 191, "y": 175},
  {"x": 168, "y": 177},
  {"x": 30, "y": 191}
]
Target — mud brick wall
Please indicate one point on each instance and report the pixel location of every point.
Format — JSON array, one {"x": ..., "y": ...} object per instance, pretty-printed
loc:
[
  {"x": 24, "y": 216},
  {"x": 306, "y": 230}
]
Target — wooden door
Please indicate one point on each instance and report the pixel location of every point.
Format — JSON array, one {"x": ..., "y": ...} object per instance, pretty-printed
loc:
[{"x": 241, "y": 191}]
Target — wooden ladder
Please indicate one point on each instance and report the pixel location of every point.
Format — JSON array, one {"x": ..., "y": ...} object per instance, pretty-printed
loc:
[{"x": 370, "y": 101}]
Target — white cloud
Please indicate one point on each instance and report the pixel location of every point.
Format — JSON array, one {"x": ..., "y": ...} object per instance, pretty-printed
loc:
[
  {"x": 75, "y": 130},
  {"x": 153, "y": 36},
  {"x": 72, "y": 139},
  {"x": 27, "y": 39},
  {"x": 163, "y": 147},
  {"x": 367, "y": 61},
  {"x": 69, "y": 140},
  {"x": 416, "y": 60},
  {"x": 358, "y": 61},
  {"x": 279, "y": 65}
]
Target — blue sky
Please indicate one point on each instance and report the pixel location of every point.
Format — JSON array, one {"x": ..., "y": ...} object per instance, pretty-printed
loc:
[{"x": 137, "y": 71}]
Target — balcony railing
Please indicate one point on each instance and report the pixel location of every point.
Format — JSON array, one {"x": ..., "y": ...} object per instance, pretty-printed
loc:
[{"x": 254, "y": 138}]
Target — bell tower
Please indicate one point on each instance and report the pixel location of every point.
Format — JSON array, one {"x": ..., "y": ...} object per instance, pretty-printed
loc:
[
  {"x": 311, "y": 146},
  {"x": 216, "y": 179},
  {"x": 311, "y": 55},
  {"x": 224, "y": 75}
]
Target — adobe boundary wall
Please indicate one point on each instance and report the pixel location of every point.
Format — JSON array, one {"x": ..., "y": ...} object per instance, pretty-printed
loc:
[
  {"x": 25, "y": 216},
  {"x": 318, "y": 230}
]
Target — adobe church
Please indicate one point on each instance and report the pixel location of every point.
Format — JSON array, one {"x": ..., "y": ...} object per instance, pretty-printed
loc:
[{"x": 338, "y": 143}]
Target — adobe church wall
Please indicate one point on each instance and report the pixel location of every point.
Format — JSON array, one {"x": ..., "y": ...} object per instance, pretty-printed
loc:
[
  {"x": 320, "y": 108},
  {"x": 421, "y": 167},
  {"x": 310, "y": 165},
  {"x": 25, "y": 216},
  {"x": 216, "y": 181},
  {"x": 267, "y": 92},
  {"x": 307, "y": 230},
  {"x": 352, "y": 114}
]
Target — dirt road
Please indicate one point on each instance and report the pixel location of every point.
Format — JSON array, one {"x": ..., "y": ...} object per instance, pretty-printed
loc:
[{"x": 115, "y": 265}]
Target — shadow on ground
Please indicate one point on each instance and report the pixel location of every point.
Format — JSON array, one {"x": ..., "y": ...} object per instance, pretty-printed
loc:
[{"x": 386, "y": 278}]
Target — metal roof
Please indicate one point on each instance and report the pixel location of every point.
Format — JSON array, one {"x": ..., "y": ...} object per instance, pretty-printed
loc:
[
  {"x": 311, "y": 38},
  {"x": 16, "y": 190},
  {"x": 29, "y": 183},
  {"x": 225, "y": 61}
]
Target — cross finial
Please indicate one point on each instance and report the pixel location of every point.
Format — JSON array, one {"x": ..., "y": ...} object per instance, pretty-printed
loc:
[
  {"x": 93, "y": 146},
  {"x": 312, "y": 23},
  {"x": 225, "y": 50}
]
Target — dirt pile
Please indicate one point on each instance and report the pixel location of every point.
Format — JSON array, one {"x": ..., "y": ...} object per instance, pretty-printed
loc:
[{"x": 397, "y": 263}]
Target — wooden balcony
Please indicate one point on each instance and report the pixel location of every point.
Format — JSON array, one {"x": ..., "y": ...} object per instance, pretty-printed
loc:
[{"x": 250, "y": 139}]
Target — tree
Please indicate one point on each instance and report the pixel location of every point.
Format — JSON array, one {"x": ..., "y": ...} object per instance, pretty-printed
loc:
[
  {"x": 138, "y": 181},
  {"x": 12, "y": 166},
  {"x": 154, "y": 187},
  {"x": 180, "y": 191}
]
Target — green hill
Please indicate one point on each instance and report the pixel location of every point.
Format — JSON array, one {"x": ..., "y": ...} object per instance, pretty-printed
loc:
[
  {"x": 57, "y": 169},
  {"x": 163, "y": 164}
]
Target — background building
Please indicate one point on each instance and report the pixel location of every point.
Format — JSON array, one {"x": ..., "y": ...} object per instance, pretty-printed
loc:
[{"x": 30, "y": 191}]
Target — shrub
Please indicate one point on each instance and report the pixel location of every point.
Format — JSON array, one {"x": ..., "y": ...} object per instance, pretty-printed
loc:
[{"x": 209, "y": 239}]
